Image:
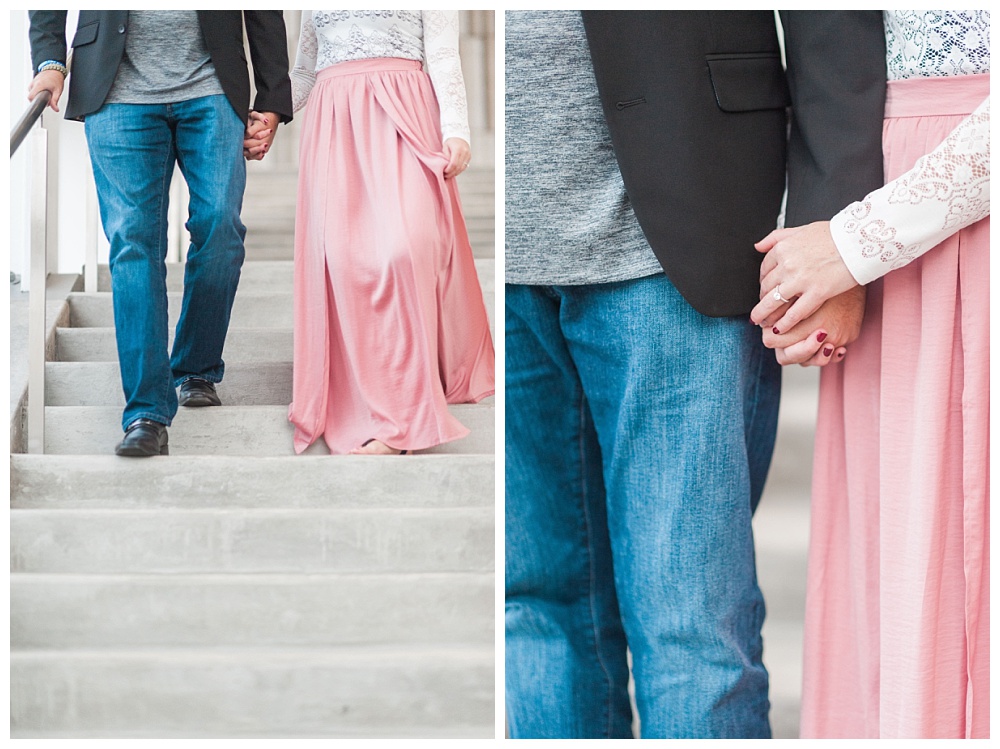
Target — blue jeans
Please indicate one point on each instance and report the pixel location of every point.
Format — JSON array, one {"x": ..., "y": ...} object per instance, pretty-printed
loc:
[
  {"x": 133, "y": 149},
  {"x": 638, "y": 437}
]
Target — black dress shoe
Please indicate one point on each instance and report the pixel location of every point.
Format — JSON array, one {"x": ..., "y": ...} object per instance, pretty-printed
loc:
[
  {"x": 198, "y": 392},
  {"x": 143, "y": 438}
]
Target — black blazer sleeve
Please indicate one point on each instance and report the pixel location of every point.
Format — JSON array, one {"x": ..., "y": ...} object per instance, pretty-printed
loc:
[
  {"x": 836, "y": 75},
  {"x": 269, "y": 57},
  {"x": 47, "y": 34}
]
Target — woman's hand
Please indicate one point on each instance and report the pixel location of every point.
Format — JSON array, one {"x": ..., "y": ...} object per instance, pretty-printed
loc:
[
  {"x": 823, "y": 336},
  {"x": 48, "y": 80},
  {"x": 801, "y": 262},
  {"x": 261, "y": 128},
  {"x": 458, "y": 154}
]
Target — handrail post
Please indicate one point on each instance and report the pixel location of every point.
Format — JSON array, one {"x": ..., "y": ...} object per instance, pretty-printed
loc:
[
  {"x": 36, "y": 296},
  {"x": 90, "y": 262}
]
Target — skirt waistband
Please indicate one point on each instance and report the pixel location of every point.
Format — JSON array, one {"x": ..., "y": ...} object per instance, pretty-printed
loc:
[
  {"x": 930, "y": 97},
  {"x": 370, "y": 65}
]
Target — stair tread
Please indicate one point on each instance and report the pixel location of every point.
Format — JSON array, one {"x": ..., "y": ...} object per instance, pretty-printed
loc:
[
  {"x": 210, "y": 481},
  {"x": 360, "y": 653},
  {"x": 181, "y": 579},
  {"x": 231, "y": 430}
]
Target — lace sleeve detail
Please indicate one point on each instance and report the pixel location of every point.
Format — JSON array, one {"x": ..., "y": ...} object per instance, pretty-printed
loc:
[
  {"x": 304, "y": 71},
  {"x": 445, "y": 70},
  {"x": 946, "y": 190}
]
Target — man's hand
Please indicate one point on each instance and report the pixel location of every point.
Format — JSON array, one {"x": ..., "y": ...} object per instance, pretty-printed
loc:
[
  {"x": 458, "y": 154},
  {"x": 261, "y": 128},
  {"x": 47, "y": 80},
  {"x": 823, "y": 336}
]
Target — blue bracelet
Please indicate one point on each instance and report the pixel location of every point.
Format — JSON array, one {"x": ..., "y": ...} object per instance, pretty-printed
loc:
[{"x": 54, "y": 65}]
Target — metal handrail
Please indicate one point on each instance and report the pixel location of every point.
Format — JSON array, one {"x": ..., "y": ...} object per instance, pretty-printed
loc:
[{"x": 28, "y": 119}]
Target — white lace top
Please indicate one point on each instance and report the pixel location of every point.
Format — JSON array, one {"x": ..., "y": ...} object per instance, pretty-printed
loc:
[
  {"x": 948, "y": 188},
  {"x": 928, "y": 43},
  {"x": 431, "y": 36}
]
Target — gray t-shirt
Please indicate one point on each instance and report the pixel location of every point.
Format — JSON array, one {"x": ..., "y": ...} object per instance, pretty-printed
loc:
[
  {"x": 165, "y": 60},
  {"x": 568, "y": 219}
]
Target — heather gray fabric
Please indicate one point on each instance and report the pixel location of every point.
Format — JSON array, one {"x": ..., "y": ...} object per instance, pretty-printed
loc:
[
  {"x": 165, "y": 60},
  {"x": 568, "y": 220}
]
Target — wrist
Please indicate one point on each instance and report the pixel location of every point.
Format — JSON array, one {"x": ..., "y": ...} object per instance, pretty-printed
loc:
[{"x": 55, "y": 66}]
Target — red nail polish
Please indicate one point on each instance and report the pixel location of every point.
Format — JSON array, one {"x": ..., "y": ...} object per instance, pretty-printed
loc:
[
  {"x": 775, "y": 331},
  {"x": 820, "y": 337},
  {"x": 827, "y": 351}
]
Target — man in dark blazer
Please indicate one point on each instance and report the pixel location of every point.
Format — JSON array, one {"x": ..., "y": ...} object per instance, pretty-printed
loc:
[
  {"x": 646, "y": 152},
  {"x": 155, "y": 88}
]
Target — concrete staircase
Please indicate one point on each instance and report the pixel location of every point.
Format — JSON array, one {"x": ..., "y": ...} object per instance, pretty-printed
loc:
[{"x": 233, "y": 589}]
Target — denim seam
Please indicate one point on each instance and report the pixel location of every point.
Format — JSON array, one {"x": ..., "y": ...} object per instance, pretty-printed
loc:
[{"x": 590, "y": 561}]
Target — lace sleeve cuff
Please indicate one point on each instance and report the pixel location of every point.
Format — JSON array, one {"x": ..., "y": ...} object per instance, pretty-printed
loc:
[
  {"x": 945, "y": 191},
  {"x": 302, "y": 83}
]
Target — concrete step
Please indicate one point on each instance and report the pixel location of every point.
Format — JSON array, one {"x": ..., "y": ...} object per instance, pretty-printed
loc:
[
  {"x": 250, "y": 310},
  {"x": 230, "y": 430},
  {"x": 99, "y": 384},
  {"x": 256, "y": 346},
  {"x": 210, "y": 482},
  {"x": 237, "y": 539},
  {"x": 258, "y": 276},
  {"x": 236, "y": 610},
  {"x": 390, "y": 692}
]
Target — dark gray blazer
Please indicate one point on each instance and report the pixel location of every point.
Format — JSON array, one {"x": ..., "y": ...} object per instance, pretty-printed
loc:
[
  {"x": 99, "y": 44},
  {"x": 698, "y": 106}
]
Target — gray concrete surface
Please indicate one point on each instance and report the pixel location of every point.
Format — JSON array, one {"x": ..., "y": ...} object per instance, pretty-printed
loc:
[
  {"x": 233, "y": 588},
  {"x": 178, "y": 693},
  {"x": 781, "y": 530}
]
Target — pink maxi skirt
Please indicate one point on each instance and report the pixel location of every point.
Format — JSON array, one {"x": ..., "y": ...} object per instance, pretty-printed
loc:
[
  {"x": 390, "y": 324},
  {"x": 897, "y": 607}
]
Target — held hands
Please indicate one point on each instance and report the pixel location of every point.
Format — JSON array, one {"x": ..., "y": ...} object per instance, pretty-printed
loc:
[
  {"x": 47, "y": 80},
  {"x": 823, "y": 336},
  {"x": 261, "y": 128},
  {"x": 801, "y": 262},
  {"x": 458, "y": 154}
]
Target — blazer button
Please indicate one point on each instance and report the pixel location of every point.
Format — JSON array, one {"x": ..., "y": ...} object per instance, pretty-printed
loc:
[{"x": 121, "y": 29}]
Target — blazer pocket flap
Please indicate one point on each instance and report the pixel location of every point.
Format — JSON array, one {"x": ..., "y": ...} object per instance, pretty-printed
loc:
[
  {"x": 86, "y": 34},
  {"x": 748, "y": 82}
]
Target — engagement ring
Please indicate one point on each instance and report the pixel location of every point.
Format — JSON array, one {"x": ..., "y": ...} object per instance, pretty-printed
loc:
[{"x": 777, "y": 295}]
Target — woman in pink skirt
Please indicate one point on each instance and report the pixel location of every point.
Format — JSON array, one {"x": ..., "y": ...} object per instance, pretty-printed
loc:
[
  {"x": 897, "y": 608},
  {"x": 390, "y": 325}
]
